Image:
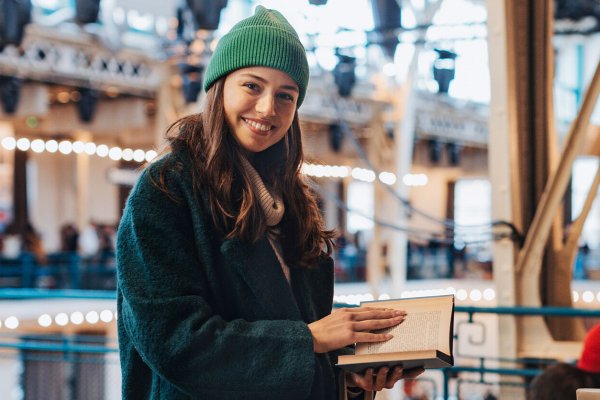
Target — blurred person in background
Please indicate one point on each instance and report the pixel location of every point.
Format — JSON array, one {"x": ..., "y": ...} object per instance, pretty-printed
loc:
[
  {"x": 561, "y": 380},
  {"x": 69, "y": 238}
]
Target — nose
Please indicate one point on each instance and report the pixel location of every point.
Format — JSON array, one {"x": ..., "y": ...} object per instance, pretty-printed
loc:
[{"x": 266, "y": 105}]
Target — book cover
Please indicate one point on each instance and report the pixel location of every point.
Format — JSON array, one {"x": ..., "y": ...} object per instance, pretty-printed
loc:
[{"x": 423, "y": 339}]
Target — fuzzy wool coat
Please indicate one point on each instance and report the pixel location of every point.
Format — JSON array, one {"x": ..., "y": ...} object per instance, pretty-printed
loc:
[{"x": 201, "y": 317}]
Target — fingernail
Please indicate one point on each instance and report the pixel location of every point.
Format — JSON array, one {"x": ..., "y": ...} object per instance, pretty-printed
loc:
[{"x": 397, "y": 312}]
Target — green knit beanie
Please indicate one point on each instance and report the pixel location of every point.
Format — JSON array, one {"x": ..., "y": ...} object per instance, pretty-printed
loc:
[{"x": 265, "y": 39}]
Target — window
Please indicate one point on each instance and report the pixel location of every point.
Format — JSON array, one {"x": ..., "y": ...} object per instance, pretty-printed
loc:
[
  {"x": 472, "y": 207},
  {"x": 360, "y": 199},
  {"x": 584, "y": 169}
]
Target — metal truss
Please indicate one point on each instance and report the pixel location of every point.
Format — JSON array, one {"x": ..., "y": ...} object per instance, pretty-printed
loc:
[
  {"x": 80, "y": 59},
  {"x": 451, "y": 121}
]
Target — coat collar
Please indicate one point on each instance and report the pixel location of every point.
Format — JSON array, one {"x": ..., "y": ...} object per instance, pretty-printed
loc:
[{"x": 260, "y": 269}]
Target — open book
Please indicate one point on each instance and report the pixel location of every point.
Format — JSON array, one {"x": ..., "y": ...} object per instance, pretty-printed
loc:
[{"x": 423, "y": 339}]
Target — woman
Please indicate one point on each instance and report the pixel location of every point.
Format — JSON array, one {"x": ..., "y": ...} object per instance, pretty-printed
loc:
[{"x": 224, "y": 291}]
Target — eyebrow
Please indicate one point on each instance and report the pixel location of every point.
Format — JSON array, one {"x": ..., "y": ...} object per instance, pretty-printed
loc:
[{"x": 259, "y": 78}]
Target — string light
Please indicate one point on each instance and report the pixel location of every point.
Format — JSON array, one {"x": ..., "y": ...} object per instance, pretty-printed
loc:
[
  {"x": 77, "y": 318},
  {"x": 102, "y": 150},
  {"x": 51, "y": 146},
  {"x": 61, "y": 319},
  {"x": 78, "y": 147},
  {"x": 461, "y": 294},
  {"x": 106, "y": 316},
  {"x": 9, "y": 143},
  {"x": 139, "y": 155},
  {"x": 67, "y": 147},
  {"x": 116, "y": 153},
  {"x": 11, "y": 322},
  {"x": 23, "y": 144},
  {"x": 475, "y": 295},
  {"x": 151, "y": 155},
  {"x": 489, "y": 294},
  {"x": 92, "y": 317},
  {"x": 45, "y": 320},
  {"x": 37, "y": 146}
]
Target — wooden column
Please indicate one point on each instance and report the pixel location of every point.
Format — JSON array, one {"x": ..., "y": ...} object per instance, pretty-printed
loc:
[
  {"x": 20, "y": 206},
  {"x": 503, "y": 174}
]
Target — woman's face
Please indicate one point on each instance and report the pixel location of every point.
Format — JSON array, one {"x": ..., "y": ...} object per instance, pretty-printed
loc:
[{"x": 260, "y": 104}]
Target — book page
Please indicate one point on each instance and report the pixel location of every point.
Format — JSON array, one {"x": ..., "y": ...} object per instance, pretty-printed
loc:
[
  {"x": 419, "y": 331},
  {"x": 426, "y": 327}
]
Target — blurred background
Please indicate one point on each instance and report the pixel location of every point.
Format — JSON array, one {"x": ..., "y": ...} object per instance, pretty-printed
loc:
[{"x": 453, "y": 144}]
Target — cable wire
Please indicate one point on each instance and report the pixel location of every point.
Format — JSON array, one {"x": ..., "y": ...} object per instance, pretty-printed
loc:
[
  {"x": 406, "y": 203},
  {"x": 446, "y": 237}
]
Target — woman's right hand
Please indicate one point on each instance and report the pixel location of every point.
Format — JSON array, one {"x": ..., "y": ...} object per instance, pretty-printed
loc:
[{"x": 347, "y": 326}]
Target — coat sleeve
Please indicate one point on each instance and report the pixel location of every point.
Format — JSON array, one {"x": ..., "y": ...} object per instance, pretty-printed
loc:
[{"x": 168, "y": 320}]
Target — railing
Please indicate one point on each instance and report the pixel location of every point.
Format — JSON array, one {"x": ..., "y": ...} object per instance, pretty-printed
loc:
[
  {"x": 73, "y": 271},
  {"x": 59, "y": 271},
  {"x": 56, "y": 367},
  {"x": 69, "y": 363},
  {"x": 526, "y": 368},
  {"x": 79, "y": 361}
]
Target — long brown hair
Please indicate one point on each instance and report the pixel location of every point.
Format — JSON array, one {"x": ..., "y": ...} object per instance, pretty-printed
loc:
[{"x": 235, "y": 209}]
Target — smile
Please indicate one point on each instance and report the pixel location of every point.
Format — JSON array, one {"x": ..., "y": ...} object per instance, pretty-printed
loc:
[{"x": 258, "y": 126}]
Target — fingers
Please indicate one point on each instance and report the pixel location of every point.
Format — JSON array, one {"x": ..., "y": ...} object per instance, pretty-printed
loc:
[
  {"x": 373, "y": 325},
  {"x": 353, "y": 325},
  {"x": 367, "y": 337},
  {"x": 383, "y": 378},
  {"x": 371, "y": 313}
]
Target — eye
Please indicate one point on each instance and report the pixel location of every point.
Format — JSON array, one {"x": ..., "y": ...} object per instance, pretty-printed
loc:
[
  {"x": 251, "y": 85},
  {"x": 286, "y": 97}
]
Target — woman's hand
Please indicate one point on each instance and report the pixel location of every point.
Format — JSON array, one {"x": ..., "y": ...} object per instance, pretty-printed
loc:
[
  {"x": 347, "y": 326},
  {"x": 384, "y": 378}
]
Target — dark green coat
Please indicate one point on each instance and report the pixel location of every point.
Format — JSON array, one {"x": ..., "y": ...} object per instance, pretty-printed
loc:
[{"x": 205, "y": 318}]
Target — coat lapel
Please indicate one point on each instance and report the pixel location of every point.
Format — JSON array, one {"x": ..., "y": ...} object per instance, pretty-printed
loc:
[{"x": 260, "y": 269}]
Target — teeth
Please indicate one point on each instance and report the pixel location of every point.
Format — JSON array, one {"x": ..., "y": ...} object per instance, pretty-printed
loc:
[{"x": 258, "y": 126}]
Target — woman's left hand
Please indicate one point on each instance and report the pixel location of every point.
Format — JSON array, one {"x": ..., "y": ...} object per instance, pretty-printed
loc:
[{"x": 383, "y": 378}]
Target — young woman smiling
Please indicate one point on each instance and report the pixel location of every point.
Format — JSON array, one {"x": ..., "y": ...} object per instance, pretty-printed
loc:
[{"x": 225, "y": 283}]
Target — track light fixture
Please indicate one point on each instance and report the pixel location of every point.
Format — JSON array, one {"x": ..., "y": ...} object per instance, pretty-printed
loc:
[
  {"x": 344, "y": 74},
  {"x": 86, "y": 106},
  {"x": 435, "y": 150},
  {"x": 10, "y": 92},
  {"x": 444, "y": 69},
  {"x": 86, "y": 11},
  {"x": 387, "y": 18},
  {"x": 207, "y": 13},
  {"x": 336, "y": 136},
  {"x": 14, "y": 16},
  {"x": 454, "y": 150}
]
